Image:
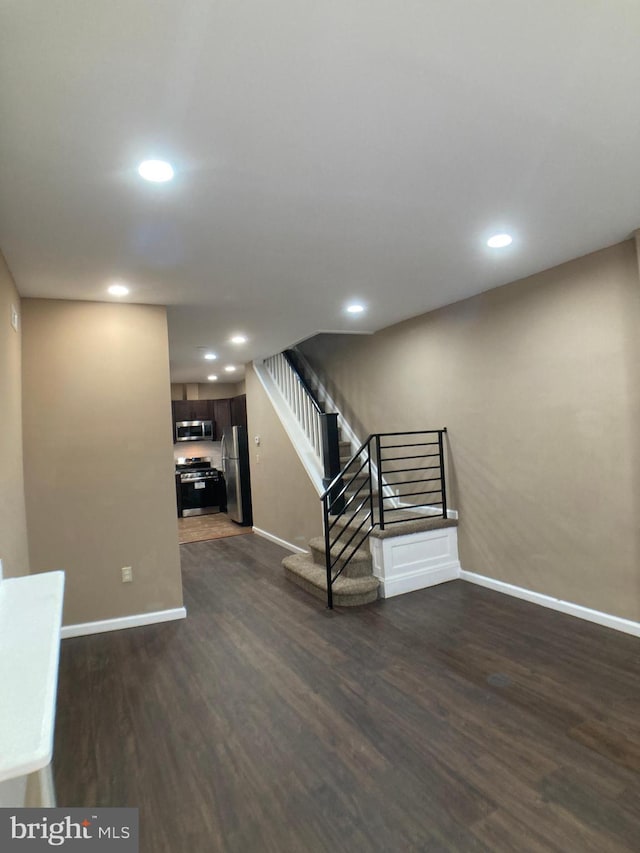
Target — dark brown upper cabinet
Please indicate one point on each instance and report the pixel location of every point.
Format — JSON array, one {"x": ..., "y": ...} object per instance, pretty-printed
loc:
[{"x": 227, "y": 412}]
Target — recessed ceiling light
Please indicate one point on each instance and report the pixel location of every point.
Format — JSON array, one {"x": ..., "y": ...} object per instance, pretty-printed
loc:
[
  {"x": 238, "y": 339},
  {"x": 210, "y": 356},
  {"x": 118, "y": 290},
  {"x": 212, "y": 378},
  {"x": 355, "y": 308},
  {"x": 230, "y": 368},
  {"x": 499, "y": 241},
  {"x": 157, "y": 171}
]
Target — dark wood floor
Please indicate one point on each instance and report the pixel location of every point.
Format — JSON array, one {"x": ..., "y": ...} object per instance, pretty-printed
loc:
[{"x": 453, "y": 718}]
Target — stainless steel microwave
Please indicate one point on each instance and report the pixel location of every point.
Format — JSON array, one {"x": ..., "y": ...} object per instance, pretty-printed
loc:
[{"x": 194, "y": 431}]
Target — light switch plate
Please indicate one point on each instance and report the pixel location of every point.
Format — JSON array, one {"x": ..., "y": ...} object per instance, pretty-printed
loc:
[{"x": 14, "y": 317}]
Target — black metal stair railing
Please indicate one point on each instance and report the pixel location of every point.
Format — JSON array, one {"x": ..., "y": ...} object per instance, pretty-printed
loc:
[{"x": 383, "y": 467}]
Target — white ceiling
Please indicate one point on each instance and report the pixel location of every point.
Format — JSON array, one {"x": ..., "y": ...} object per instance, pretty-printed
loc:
[{"x": 324, "y": 151}]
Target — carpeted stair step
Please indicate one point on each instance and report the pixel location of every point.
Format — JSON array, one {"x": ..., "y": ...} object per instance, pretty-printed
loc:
[
  {"x": 359, "y": 480},
  {"x": 347, "y": 592},
  {"x": 359, "y": 485},
  {"x": 359, "y": 565},
  {"x": 354, "y": 483},
  {"x": 399, "y": 522},
  {"x": 345, "y": 450},
  {"x": 397, "y": 526}
]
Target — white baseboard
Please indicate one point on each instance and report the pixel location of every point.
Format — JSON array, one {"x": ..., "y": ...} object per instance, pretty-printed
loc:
[
  {"x": 278, "y": 541},
  {"x": 419, "y": 579},
  {"x": 628, "y": 626},
  {"x": 84, "y": 628}
]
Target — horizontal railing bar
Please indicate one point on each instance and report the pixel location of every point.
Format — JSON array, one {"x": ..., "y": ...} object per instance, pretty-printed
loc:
[
  {"x": 417, "y": 468},
  {"x": 411, "y": 432},
  {"x": 417, "y": 506},
  {"x": 420, "y": 517},
  {"x": 409, "y": 494},
  {"x": 418, "y": 444},
  {"x": 416, "y": 456},
  {"x": 419, "y": 480}
]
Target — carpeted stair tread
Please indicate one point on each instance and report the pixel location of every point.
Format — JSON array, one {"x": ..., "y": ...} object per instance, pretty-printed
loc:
[
  {"x": 362, "y": 554},
  {"x": 359, "y": 564},
  {"x": 403, "y": 528},
  {"x": 359, "y": 478},
  {"x": 399, "y": 522},
  {"x": 347, "y": 591}
]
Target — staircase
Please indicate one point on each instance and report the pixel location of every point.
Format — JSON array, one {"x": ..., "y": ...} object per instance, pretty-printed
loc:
[
  {"x": 356, "y": 585},
  {"x": 363, "y": 494}
]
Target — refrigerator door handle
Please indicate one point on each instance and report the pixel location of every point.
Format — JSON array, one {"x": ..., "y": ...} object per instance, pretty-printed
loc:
[{"x": 223, "y": 455}]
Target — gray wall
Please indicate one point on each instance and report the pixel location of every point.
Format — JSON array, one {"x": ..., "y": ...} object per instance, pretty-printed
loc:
[
  {"x": 538, "y": 384},
  {"x": 98, "y": 455},
  {"x": 285, "y": 503}
]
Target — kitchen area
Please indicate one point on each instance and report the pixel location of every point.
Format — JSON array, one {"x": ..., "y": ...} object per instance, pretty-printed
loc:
[{"x": 211, "y": 456}]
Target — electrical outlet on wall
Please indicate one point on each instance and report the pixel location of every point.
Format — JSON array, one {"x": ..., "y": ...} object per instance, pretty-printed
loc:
[{"x": 127, "y": 574}]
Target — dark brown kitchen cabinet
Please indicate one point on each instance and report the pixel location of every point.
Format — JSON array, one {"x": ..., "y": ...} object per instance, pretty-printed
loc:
[
  {"x": 222, "y": 415},
  {"x": 227, "y": 412},
  {"x": 192, "y": 410},
  {"x": 239, "y": 410}
]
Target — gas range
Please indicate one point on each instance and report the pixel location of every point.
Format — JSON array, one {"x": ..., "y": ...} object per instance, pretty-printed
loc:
[
  {"x": 200, "y": 487},
  {"x": 191, "y": 468},
  {"x": 204, "y": 474}
]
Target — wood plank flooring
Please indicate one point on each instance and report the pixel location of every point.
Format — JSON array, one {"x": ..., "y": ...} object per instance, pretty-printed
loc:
[{"x": 452, "y": 719}]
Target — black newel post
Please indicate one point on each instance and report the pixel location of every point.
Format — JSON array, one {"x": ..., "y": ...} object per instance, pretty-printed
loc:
[{"x": 331, "y": 461}]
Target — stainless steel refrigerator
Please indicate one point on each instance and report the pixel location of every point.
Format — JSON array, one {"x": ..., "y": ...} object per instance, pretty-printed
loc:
[{"x": 235, "y": 467}]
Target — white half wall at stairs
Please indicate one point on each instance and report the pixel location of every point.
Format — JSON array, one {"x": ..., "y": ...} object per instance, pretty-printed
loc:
[{"x": 415, "y": 561}]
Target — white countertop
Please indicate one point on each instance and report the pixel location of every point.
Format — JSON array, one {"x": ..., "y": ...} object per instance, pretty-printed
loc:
[{"x": 30, "y": 618}]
